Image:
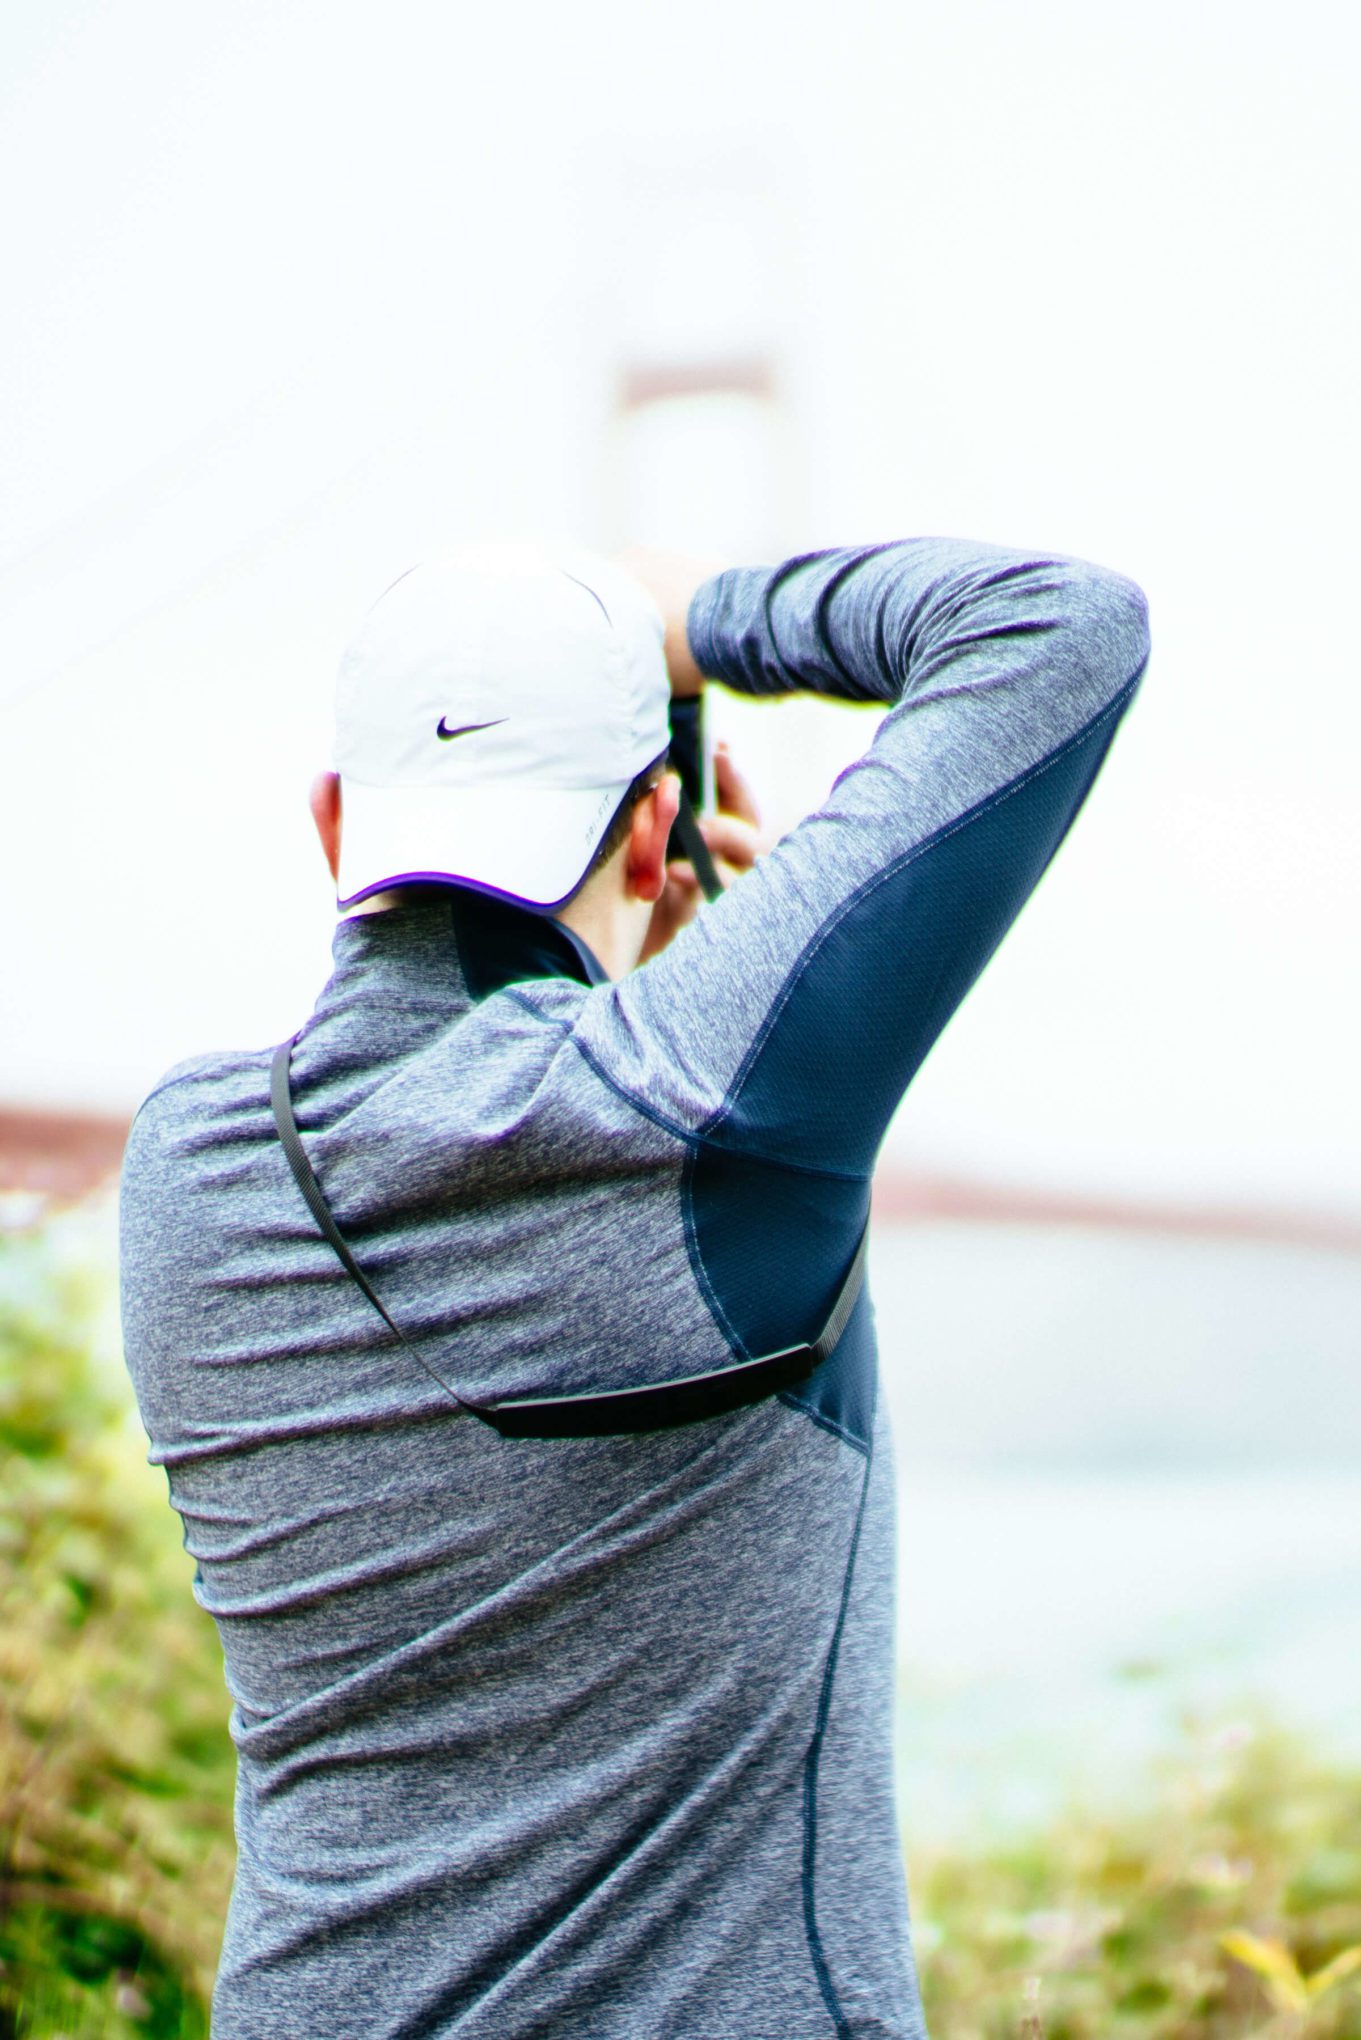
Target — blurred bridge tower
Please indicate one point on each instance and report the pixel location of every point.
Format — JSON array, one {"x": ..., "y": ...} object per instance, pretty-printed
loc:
[{"x": 702, "y": 450}]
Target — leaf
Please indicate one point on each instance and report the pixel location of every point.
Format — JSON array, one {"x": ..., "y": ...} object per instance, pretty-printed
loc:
[
  {"x": 1342, "y": 1966},
  {"x": 1273, "y": 1962}
]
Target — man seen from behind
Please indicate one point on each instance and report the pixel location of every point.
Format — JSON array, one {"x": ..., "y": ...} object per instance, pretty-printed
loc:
[{"x": 549, "y": 1536}]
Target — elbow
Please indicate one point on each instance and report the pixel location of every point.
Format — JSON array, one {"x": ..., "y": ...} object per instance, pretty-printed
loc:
[{"x": 1109, "y": 614}]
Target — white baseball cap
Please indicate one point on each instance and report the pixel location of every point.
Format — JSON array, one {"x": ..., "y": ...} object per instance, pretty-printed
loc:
[{"x": 492, "y": 711}]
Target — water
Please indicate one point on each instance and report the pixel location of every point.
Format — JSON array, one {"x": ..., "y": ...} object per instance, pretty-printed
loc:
[{"x": 1130, "y": 1497}]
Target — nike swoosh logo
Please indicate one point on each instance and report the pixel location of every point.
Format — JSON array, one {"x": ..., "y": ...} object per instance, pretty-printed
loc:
[{"x": 443, "y": 731}]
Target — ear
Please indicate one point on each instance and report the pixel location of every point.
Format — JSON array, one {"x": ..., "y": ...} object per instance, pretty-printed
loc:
[
  {"x": 648, "y": 838},
  {"x": 325, "y": 798}
]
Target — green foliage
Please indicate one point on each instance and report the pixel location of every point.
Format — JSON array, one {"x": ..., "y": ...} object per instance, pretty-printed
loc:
[
  {"x": 115, "y": 1767},
  {"x": 1228, "y": 1909},
  {"x": 1231, "y": 1906}
]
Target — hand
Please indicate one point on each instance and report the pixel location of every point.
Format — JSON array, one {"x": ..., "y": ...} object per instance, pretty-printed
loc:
[
  {"x": 733, "y": 834},
  {"x": 671, "y": 579}
]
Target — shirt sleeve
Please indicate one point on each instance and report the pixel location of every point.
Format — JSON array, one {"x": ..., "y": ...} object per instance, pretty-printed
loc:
[
  {"x": 777, "y": 1033},
  {"x": 787, "y": 1021}
]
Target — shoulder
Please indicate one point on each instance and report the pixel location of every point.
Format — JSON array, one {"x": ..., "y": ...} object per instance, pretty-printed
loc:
[{"x": 197, "y": 1089}]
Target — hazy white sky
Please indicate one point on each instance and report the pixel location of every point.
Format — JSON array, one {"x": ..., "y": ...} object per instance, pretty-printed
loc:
[{"x": 296, "y": 291}]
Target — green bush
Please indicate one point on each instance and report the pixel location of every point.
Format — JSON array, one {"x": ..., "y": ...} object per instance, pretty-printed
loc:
[
  {"x": 115, "y": 1767},
  {"x": 1230, "y": 1907}
]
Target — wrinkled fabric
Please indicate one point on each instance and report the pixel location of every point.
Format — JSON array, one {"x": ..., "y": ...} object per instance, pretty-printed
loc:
[{"x": 592, "y": 1738}]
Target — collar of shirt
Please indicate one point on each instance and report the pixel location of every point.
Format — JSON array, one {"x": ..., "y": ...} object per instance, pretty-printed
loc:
[
  {"x": 501, "y": 943},
  {"x": 445, "y": 945}
]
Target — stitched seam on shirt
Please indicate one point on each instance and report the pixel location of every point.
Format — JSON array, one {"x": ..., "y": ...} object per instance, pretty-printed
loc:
[
  {"x": 820, "y": 937},
  {"x": 692, "y": 1138},
  {"x": 810, "y": 1781},
  {"x": 705, "y": 1132},
  {"x": 697, "y": 1268},
  {"x": 629, "y": 1098},
  {"x": 880, "y": 878},
  {"x": 791, "y": 1401},
  {"x": 692, "y": 1142}
]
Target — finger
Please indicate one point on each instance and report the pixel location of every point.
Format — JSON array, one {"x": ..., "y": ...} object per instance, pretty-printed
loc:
[
  {"x": 735, "y": 796},
  {"x": 735, "y": 842}
]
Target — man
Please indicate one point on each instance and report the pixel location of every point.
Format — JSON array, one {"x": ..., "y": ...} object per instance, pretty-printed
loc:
[{"x": 560, "y": 1633}]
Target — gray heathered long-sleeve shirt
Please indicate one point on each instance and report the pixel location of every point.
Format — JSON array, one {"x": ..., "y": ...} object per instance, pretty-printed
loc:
[{"x": 591, "y": 1739}]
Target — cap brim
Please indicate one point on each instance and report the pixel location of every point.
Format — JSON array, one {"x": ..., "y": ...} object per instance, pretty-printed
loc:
[{"x": 529, "y": 843}]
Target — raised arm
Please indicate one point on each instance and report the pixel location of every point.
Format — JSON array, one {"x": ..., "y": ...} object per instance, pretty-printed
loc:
[
  {"x": 779, "y": 1030},
  {"x": 817, "y": 985}
]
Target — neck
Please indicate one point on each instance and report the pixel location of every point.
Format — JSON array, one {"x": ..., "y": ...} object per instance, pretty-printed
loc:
[
  {"x": 376, "y": 903},
  {"x": 614, "y": 928}
]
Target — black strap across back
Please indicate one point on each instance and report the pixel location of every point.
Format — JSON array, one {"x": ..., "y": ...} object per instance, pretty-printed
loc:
[{"x": 613, "y": 1412}]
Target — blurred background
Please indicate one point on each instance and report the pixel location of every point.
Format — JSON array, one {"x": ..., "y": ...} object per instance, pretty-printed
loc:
[{"x": 297, "y": 293}]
